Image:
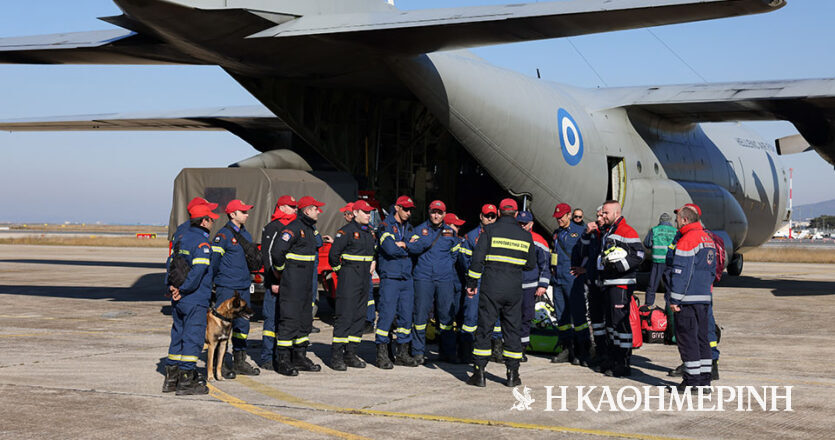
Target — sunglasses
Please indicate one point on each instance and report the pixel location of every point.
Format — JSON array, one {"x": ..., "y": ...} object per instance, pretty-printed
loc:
[
  {"x": 406, "y": 209},
  {"x": 490, "y": 216},
  {"x": 578, "y": 216}
]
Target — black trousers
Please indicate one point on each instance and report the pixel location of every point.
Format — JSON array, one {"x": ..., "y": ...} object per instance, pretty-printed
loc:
[
  {"x": 598, "y": 304},
  {"x": 500, "y": 297},
  {"x": 295, "y": 315},
  {"x": 693, "y": 345},
  {"x": 351, "y": 303},
  {"x": 617, "y": 323}
]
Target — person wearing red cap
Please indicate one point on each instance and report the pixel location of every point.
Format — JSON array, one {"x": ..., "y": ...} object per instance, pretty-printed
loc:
[
  {"x": 503, "y": 252},
  {"x": 351, "y": 256},
  {"x": 293, "y": 259},
  {"x": 437, "y": 249},
  {"x": 183, "y": 227},
  {"x": 285, "y": 212},
  {"x": 621, "y": 254},
  {"x": 230, "y": 248},
  {"x": 370, "y": 311},
  {"x": 397, "y": 294},
  {"x": 569, "y": 291},
  {"x": 190, "y": 293},
  {"x": 469, "y": 305}
]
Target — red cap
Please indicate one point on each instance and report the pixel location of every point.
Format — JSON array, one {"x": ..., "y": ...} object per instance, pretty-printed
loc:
[
  {"x": 405, "y": 201},
  {"x": 306, "y": 201},
  {"x": 200, "y": 201},
  {"x": 348, "y": 207},
  {"x": 508, "y": 204},
  {"x": 561, "y": 210},
  {"x": 452, "y": 219},
  {"x": 692, "y": 206},
  {"x": 286, "y": 200},
  {"x": 437, "y": 204},
  {"x": 489, "y": 208},
  {"x": 237, "y": 205},
  {"x": 202, "y": 211},
  {"x": 361, "y": 205}
]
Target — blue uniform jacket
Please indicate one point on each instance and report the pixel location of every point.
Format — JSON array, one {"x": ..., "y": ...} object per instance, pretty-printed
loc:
[
  {"x": 195, "y": 247},
  {"x": 568, "y": 253},
  {"x": 228, "y": 258},
  {"x": 437, "y": 249},
  {"x": 693, "y": 266},
  {"x": 465, "y": 253},
  {"x": 540, "y": 276},
  {"x": 394, "y": 262}
]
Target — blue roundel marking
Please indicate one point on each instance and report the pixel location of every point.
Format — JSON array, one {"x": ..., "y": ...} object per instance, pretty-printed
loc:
[{"x": 571, "y": 141}]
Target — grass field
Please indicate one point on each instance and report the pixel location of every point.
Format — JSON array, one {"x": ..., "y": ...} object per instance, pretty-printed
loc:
[{"x": 791, "y": 255}]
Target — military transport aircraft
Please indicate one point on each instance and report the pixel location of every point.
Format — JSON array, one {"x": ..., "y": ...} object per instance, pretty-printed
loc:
[{"x": 394, "y": 98}]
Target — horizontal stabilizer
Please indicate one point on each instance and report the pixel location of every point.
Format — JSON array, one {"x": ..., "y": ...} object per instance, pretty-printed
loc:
[
  {"x": 808, "y": 104},
  {"x": 424, "y": 31}
]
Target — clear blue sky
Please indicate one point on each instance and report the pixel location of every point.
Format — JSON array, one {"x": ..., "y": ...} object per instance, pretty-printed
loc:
[{"x": 127, "y": 177}]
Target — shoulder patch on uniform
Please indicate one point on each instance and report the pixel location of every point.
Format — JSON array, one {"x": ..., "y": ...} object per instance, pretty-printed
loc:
[
  {"x": 217, "y": 238},
  {"x": 286, "y": 235},
  {"x": 424, "y": 231},
  {"x": 203, "y": 244},
  {"x": 206, "y": 250},
  {"x": 356, "y": 235},
  {"x": 340, "y": 233},
  {"x": 222, "y": 236}
]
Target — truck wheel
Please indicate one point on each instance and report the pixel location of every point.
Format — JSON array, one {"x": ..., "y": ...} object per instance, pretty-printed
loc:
[{"x": 735, "y": 268}]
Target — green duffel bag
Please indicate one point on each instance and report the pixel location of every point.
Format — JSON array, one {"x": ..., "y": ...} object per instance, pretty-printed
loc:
[{"x": 544, "y": 335}]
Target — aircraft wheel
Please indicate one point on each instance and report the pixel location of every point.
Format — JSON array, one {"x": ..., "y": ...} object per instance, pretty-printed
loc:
[{"x": 735, "y": 268}]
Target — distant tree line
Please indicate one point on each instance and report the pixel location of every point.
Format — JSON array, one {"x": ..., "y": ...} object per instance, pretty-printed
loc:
[{"x": 823, "y": 222}]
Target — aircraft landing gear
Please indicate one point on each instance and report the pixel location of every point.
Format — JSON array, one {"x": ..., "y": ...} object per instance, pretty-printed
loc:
[{"x": 735, "y": 266}]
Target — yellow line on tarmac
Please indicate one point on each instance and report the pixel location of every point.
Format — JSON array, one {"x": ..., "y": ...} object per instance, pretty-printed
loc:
[
  {"x": 261, "y": 412},
  {"x": 282, "y": 396}
]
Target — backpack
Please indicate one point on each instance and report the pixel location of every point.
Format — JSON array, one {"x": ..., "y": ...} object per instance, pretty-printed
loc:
[
  {"x": 720, "y": 255},
  {"x": 178, "y": 267},
  {"x": 635, "y": 323},
  {"x": 653, "y": 324},
  {"x": 253, "y": 256}
]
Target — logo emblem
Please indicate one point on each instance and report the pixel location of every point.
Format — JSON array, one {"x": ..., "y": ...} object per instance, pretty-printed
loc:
[
  {"x": 234, "y": 240},
  {"x": 356, "y": 235},
  {"x": 571, "y": 141},
  {"x": 523, "y": 401}
]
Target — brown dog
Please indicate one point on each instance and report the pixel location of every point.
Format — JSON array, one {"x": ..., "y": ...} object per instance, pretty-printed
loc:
[{"x": 218, "y": 329}]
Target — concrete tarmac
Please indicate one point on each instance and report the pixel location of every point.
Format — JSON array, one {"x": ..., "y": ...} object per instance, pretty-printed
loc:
[{"x": 83, "y": 332}]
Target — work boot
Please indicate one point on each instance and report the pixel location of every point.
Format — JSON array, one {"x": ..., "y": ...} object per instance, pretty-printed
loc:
[
  {"x": 714, "y": 370},
  {"x": 496, "y": 347},
  {"x": 513, "y": 379},
  {"x": 282, "y": 364},
  {"x": 419, "y": 359},
  {"x": 266, "y": 365},
  {"x": 302, "y": 362},
  {"x": 369, "y": 328},
  {"x": 188, "y": 384},
  {"x": 225, "y": 370},
  {"x": 404, "y": 359},
  {"x": 563, "y": 356},
  {"x": 477, "y": 379},
  {"x": 677, "y": 372},
  {"x": 338, "y": 357},
  {"x": 383, "y": 361},
  {"x": 241, "y": 366},
  {"x": 619, "y": 371},
  {"x": 172, "y": 374},
  {"x": 351, "y": 358}
]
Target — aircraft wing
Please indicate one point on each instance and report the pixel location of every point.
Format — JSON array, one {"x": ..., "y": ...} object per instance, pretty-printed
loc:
[
  {"x": 808, "y": 104},
  {"x": 424, "y": 31},
  {"x": 117, "y": 46}
]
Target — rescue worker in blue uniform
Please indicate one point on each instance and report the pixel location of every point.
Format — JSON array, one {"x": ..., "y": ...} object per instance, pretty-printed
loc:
[
  {"x": 503, "y": 252},
  {"x": 591, "y": 245},
  {"x": 657, "y": 241},
  {"x": 351, "y": 256},
  {"x": 293, "y": 260},
  {"x": 285, "y": 212},
  {"x": 232, "y": 274},
  {"x": 691, "y": 277},
  {"x": 453, "y": 221},
  {"x": 469, "y": 305},
  {"x": 535, "y": 281},
  {"x": 189, "y": 304},
  {"x": 397, "y": 290},
  {"x": 184, "y": 226},
  {"x": 437, "y": 249},
  {"x": 569, "y": 291}
]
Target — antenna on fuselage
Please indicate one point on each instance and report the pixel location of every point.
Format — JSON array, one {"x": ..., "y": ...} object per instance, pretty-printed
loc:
[{"x": 538, "y": 76}]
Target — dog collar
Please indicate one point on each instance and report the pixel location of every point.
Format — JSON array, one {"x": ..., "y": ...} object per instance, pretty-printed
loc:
[{"x": 218, "y": 315}]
